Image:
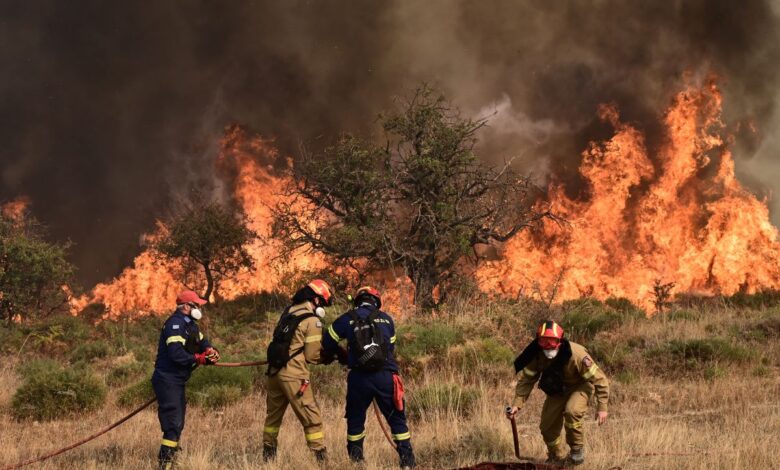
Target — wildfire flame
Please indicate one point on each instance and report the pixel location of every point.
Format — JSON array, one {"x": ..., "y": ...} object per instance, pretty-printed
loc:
[
  {"x": 16, "y": 209},
  {"x": 679, "y": 215}
]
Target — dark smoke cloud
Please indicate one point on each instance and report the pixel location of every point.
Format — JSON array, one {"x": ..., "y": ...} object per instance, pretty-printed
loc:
[{"x": 109, "y": 107}]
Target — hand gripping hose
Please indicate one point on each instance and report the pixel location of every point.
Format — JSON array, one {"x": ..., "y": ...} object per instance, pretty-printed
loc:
[{"x": 116, "y": 424}]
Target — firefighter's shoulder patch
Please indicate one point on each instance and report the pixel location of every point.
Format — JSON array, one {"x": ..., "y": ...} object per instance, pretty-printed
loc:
[
  {"x": 319, "y": 324},
  {"x": 587, "y": 362}
]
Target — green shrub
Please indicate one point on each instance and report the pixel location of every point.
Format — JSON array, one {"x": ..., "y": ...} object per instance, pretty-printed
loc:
[
  {"x": 584, "y": 318},
  {"x": 216, "y": 386},
  {"x": 484, "y": 351},
  {"x": 764, "y": 299},
  {"x": 449, "y": 398},
  {"x": 89, "y": 351},
  {"x": 627, "y": 377},
  {"x": 50, "y": 395},
  {"x": 137, "y": 393},
  {"x": 37, "y": 367},
  {"x": 123, "y": 373},
  {"x": 416, "y": 341},
  {"x": 675, "y": 357}
]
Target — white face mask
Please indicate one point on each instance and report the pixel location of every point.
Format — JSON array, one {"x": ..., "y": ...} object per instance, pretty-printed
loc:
[
  {"x": 550, "y": 353},
  {"x": 320, "y": 312},
  {"x": 196, "y": 314}
]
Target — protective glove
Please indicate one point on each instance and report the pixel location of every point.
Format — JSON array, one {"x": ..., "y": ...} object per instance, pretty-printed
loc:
[
  {"x": 212, "y": 355},
  {"x": 202, "y": 360}
]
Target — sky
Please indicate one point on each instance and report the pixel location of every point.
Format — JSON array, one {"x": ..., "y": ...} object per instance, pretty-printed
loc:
[{"x": 108, "y": 110}]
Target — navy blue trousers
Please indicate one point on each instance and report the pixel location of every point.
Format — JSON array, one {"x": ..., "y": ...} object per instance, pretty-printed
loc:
[
  {"x": 170, "y": 410},
  {"x": 362, "y": 389}
]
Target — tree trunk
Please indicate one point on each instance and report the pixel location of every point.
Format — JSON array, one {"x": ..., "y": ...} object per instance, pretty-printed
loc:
[
  {"x": 209, "y": 282},
  {"x": 425, "y": 281}
]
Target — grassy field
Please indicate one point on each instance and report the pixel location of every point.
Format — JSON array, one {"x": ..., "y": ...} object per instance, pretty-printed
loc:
[{"x": 701, "y": 380}]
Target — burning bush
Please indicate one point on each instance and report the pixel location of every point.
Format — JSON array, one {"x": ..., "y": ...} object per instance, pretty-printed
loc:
[{"x": 51, "y": 392}]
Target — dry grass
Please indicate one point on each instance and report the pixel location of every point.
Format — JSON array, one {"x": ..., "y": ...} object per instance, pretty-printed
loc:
[{"x": 730, "y": 421}]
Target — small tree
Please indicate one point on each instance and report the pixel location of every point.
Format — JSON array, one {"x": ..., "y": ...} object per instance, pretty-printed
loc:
[
  {"x": 33, "y": 272},
  {"x": 208, "y": 237},
  {"x": 422, "y": 201}
]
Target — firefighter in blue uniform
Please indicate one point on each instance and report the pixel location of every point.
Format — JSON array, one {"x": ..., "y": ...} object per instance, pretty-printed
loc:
[
  {"x": 378, "y": 382},
  {"x": 182, "y": 347}
]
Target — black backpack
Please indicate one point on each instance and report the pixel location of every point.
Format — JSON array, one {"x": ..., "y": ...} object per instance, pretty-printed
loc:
[
  {"x": 278, "y": 353},
  {"x": 369, "y": 347}
]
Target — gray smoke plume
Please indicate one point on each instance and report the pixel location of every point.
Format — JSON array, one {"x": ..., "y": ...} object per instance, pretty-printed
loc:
[{"x": 109, "y": 107}]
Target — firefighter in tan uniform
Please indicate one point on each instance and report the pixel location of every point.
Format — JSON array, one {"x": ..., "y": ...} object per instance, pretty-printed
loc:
[
  {"x": 295, "y": 344},
  {"x": 569, "y": 377}
]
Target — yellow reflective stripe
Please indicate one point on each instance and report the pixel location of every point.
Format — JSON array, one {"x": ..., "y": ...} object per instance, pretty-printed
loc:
[
  {"x": 574, "y": 425},
  {"x": 544, "y": 328},
  {"x": 402, "y": 437},
  {"x": 392, "y": 339},
  {"x": 315, "y": 435},
  {"x": 590, "y": 372},
  {"x": 169, "y": 443},
  {"x": 175, "y": 339},
  {"x": 555, "y": 329},
  {"x": 529, "y": 372},
  {"x": 554, "y": 443},
  {"x": 333, "y": 334},
  {"x": 271, "y": 430},
  {"x": 312, "y": 338},
  {"x": 356, "y": 437},
  {"x": 200, "y": 336}
]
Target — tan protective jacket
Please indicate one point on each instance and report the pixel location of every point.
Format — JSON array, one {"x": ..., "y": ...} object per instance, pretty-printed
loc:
[
  {"x": 308, "y": 336},
  {"x": 578, "y": 370}
]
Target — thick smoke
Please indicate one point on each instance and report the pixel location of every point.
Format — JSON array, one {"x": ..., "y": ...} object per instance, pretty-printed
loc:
[{"x": 110, "y": 107}]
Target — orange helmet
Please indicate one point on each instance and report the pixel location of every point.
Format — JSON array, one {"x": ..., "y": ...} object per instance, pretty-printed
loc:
[
  {"x": 368, "y": 291},
  {"x": 549, "y": 335},
  {"x": 322, "y": 289}
]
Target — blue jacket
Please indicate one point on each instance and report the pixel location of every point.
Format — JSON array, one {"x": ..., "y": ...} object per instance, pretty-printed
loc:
[
  {"x": 341, "y": 329},
  {"x": 180, "y": 339}
]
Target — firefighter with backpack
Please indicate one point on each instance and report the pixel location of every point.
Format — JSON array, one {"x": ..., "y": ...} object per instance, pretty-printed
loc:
[
  {"x": 296, "y": 343},
  {"x": 373, "y": 375}
]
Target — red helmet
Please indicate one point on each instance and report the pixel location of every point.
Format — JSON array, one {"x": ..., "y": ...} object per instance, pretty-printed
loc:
[
  {"x": 370, "y": 291},
  {"x": 549, "y": 335},
  {"x": 322, "y": 289}
]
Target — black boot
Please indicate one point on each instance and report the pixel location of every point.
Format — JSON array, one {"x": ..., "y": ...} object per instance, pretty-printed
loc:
[
  {"x": 321, "y": 455},
  {"x": 406, "y": 457},
  {"x": 269, "y": 453},
  {"x": 355, "y": 450},
  {"x": 166, "y": 457}
]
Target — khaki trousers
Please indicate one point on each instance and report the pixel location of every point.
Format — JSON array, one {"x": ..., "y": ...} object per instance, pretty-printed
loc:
[
  {"x": 283, "y": 392},
  {"x": 567, "y": 410}
]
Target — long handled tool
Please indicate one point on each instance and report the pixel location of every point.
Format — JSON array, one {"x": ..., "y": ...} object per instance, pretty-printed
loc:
[
  {"x": 382, "y": 425},
  {"x": 514, "y": 431}
]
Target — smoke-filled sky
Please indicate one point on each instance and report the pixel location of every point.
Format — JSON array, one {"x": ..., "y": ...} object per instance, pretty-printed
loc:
[{"x": 110, "y": 108}]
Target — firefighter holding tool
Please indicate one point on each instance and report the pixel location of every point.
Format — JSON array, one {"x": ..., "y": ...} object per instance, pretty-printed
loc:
[
  {"x": 373, "y": 376},
  {"x": 567, "y": 374},
  {"x": 296, "y": 343},
  {"x": 182, "y": 347}
]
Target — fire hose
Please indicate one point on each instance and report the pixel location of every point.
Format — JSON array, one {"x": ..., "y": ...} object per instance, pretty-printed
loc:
[{"x": 117, "y": 423}]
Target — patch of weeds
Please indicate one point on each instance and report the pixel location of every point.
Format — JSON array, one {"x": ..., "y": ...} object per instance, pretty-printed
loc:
[
  {"x": 627, "y": 377},
  {"x": 416, "y": 341},
  {"x": 485, "y": 351},
  {"x": 37, "y": 367},
  {"x": 216, "y": 396},
  {"x": 764, "y": 299},
  {"x": 137, "y": 393},
  {"x": 696, "y": 355},
  {"x": 760, "y": 371},
  {"x": 447, "y": 397},
  {"x": 610, "y": 354},
  {"x": 209, "y": 386},
  {"x": 122, "y": 374},
  {"x": 87, "y": 352},
  {"x": 54, "y": 394},
  {"x": 584, "y": 318},
  {"x": 714, "y": 372},
  {"x": 683, "y": 315}
]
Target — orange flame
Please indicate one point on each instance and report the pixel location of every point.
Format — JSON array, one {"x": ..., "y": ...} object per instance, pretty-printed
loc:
[
  {"x": 679, "y": 217},
  {"x": 16, "y": 209}
]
